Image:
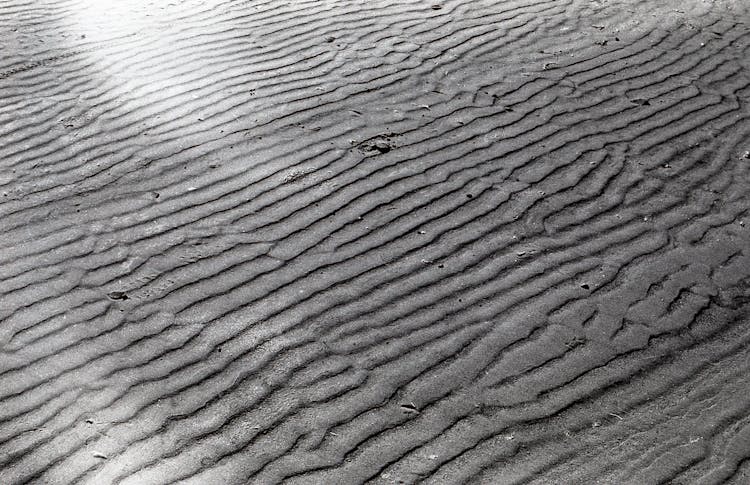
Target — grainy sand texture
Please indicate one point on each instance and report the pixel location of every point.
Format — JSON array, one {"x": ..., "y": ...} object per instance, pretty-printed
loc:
[{"x": 382, "y": 241}]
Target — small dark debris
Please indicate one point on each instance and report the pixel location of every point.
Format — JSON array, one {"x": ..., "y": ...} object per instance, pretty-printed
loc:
[
  {"x": 441, "y": 266},
  {"x": 576, "y": 342},
  {"x": 293, "y": 176},
  {"x": 90, "y": 421},
  {"x": 437, "y": 7},
  {"x": 410, "y": 407},
  {"x": 117, "y": 295},
  {"x": 617, "y": 39},
  {"x": 585, "y": 286},
  {"x": 469, "y": 196},
  {"x": 641, "y": 101},
  {"x": 381, "y": 146},
  {"x": 102, "y": 456},
  {"x": 330, "y": 39}
]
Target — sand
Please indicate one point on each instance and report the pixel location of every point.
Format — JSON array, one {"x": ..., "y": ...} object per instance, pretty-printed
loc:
[{"x": 388, "y": 242}]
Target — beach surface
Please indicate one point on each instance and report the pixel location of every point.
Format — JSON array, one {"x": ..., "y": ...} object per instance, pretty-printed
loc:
[{"x": 386, "y": 242}]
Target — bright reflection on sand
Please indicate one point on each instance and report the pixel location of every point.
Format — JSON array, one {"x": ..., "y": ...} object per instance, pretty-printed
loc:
[
  {"x": 103, "y": 20},
  {"x": 138, "y": 44}
]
